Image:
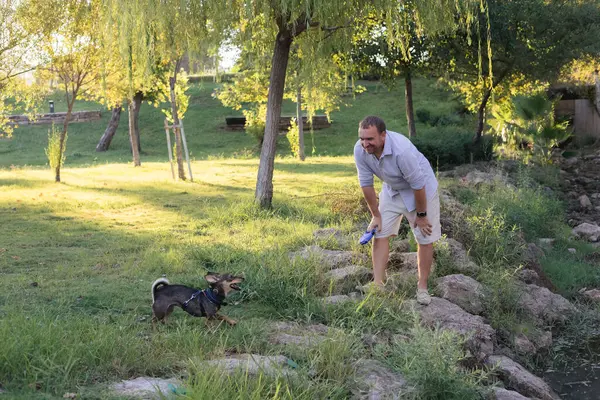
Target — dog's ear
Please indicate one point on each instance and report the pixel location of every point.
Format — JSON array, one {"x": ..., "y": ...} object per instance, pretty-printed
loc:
[
  {"x": 212, "y": 277},
  {"x": 237, "y": 279}
]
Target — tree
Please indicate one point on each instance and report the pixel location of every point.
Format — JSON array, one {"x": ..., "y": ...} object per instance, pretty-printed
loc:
[{"x": 529, "y": 42}]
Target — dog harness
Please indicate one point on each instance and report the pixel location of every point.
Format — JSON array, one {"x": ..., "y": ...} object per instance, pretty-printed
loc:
[{"x": 206, "y": 292}]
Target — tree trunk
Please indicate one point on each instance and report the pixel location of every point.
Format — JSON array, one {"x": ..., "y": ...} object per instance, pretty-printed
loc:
[
  {"x": 137, "y": 99},
  {"x": 178, "y": 141},
  {"x": 264, "y": 182},
  {"x": 111, "y": 129},
  {"x": 408, "y": 96},
  {"x": 300, "y": 124},
  {"x": 481, "y": 115},
  {"x": 132, "y": 136}
]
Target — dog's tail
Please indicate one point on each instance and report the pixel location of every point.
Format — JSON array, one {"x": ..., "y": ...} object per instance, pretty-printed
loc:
[{"x": 156, "y": 284}]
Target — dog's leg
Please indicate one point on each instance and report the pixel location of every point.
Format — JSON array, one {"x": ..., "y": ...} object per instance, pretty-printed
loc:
[{"x": 230, "y": 321}]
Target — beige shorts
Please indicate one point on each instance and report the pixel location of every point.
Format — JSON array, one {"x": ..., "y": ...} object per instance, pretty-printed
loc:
[{"x": 392, "y": 209}]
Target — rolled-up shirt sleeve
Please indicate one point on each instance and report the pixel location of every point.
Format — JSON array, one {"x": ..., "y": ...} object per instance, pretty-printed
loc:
[
  {"x": 365, "y": 175},
  {"x": 411, "y": 170}
]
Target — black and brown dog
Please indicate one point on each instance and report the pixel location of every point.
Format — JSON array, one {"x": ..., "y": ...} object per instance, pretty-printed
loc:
[{"x": 199, "y": 303}]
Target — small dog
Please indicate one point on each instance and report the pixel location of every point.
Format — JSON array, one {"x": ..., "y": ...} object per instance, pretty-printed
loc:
[{"x": 199, "y": 303}]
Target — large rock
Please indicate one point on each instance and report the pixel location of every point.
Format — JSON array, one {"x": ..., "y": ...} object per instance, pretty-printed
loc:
[
  {"x": 459, "y": 255},
  {"x": 533, "y": 253},
  {"x": 503, "y": 394},
  {"x": 342, "y": 298},
  {"x": 476, "y": 177},
  {"x": 405, "y": 261},
  {"x": 251, "y": 364},
  {"x": 463, "y": 291},
  {"x": 589, "y": 232},
  {"x": 290, "y": 333},
  {"x": 528, "y": 276},
  {"x": 516, "y": 377},
  {"x": 330, "y": 259},
  {"x": 592, "y": 295},
  {"x": 584, "y": 201},
  {"x": 400, "y": 246},
  {"x": 145, "y": 387},
  {"x": 480, "y": 337},
  {"x": 348, "y": 277},
  {"x": 523, "y": 345},
  {"x": 544, "y": 306},
  {"x": 374, "y": 381}
]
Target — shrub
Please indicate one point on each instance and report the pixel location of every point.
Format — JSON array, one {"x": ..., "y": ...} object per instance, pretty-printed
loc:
[
  {"x": 55, "y": 158},
  {"x": 452, "y": 147}
]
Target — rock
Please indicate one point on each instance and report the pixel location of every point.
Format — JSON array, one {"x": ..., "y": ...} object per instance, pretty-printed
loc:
[
  {"x": 342, "y": 298},
  {"x": 527, "y": 276},
  {"x": 352, "y": 273},
  {"x": 503, "y": 394},
  {"x": 592, "y": 295},
  {"x": 543, "y": 340},
  {"x": 407, "y": 261},
  {"x": 476, "y": 177},
  {"x": 584, "y": 201},
  {"x": 518, "y": 378},
  {"x": 587, "y": 231},
  {"x": 545, "y": 306},
  {"x": 595, "y": 196},
  {"x": 251, "y": 364},
  {"x": 330, "y": 258},
  {"x": 400, "y": 246},
  {"x": 523, "y": 345},
  {"x": 144, "y": 387},
  {"x": 533, "y": 253},
  {"x": 459, "y": 255},
  {"x": 372, "y": 380},
  {"x": 569, "y": 162},
  {"x": 448, "y": 316},
  {"x": 463, "y": 291},
  {"x": 572, "y": 250},
  {"x": 370, "y": 340},
  {"x": 288, "y": 333},
  {"x": 546, "y": 242}
]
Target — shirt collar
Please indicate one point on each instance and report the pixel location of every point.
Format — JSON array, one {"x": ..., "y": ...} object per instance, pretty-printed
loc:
[{"x": 387, "y": 146}]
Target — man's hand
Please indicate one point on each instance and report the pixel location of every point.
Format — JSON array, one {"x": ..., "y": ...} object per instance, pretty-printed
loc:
[
  {"x": 424, "y": 225},
  {"x": 375, "y": 223}
]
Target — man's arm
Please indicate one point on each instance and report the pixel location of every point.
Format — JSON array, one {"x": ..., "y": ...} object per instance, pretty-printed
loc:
[
  {"x": 421, "y": 206},
  {"x": 371, "y": 198}
]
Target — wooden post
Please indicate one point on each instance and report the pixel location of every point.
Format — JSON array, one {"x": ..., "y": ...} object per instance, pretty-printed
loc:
[
  {"x": 169, "y": 148},
  {"x": 187, "y": 155}
]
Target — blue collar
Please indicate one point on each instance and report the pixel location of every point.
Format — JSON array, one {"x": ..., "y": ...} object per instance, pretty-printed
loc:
[{"x": 210, "y": 295}]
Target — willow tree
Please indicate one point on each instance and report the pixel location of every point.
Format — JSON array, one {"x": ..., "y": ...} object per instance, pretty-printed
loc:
[
  {"x": 328, "y": 26},
  {"x": 154, "y": 35}
]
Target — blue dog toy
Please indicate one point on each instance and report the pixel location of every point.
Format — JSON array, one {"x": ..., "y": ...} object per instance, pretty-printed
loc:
[{"x": 366, "y": 238}]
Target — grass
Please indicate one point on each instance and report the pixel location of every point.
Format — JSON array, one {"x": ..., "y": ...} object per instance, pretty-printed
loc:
[{"x": 77, "y": 259}]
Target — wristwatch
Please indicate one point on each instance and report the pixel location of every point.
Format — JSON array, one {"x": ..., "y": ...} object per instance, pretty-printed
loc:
[{"x": 422, "y": 214}]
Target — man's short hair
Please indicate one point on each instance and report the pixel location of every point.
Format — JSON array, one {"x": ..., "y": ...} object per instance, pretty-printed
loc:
[{"x": 372, "y": 120}]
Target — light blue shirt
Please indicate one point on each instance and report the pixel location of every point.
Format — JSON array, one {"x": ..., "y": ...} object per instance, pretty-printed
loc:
[{"x": 401, "y": 167}]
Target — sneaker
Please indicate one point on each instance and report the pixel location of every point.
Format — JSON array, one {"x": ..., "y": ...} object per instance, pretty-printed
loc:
[{"x": 423, "y": 297}]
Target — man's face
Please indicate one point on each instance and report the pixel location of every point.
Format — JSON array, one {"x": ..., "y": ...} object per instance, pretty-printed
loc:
[{"x": 371, "y": 140}]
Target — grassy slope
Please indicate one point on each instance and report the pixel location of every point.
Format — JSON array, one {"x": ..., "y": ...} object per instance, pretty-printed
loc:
[{"x": 77, "y": 259}]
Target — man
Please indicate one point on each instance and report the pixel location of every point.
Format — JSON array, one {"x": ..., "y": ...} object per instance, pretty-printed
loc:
[{"x": 409, "y": 189}]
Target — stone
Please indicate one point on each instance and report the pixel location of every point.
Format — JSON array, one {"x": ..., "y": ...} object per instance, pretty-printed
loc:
[
  {"x": 463, "y": 291},
  {"x": 592, "y": 295},
  {"x": 595, "y": 196},
  {"x": 342, "y": 298},
  {"x": 441, "y": 313},
  {"x": 516, "y": 377},
  {"x": 543, "y": 305},
  {"x": 572, "y": 250},
  {"x": 587, "y": 231},
  {"x": 459, "y": 255},
  {"x": 476, "y": 177},
  {"x": 330, "y": 259},
  {"x": 503, "y": 394},
  {"x": 407, "y": 261},
  {"x": 400, "y": 246},
  {"x": 543, "y": 340},
  {"x": 251, "y": 364},
  {"x": 372, "y": 380},
  {"x": 527, "y": 276},
  {"x": 523, "y": 345},
  {"x": 370, "y": 340},
  {"x": 584, "y": 201},
  {"x": 145, "y": 387},
  {"x": 533, "y": 253},
  {"x": 351, "y": 272},
  {"x": 289, "y": 333}
]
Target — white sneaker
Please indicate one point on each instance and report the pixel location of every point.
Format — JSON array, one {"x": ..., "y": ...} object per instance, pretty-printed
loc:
[{"x": 423, "y": 297}]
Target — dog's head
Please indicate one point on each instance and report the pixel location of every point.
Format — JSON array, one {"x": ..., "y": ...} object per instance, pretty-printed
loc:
[{"x": 224, "y": 284}]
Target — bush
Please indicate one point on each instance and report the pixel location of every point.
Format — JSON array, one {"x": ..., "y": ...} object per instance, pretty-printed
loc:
[
  {"x": 55, "y": 158},
  {"x": 447, "y": 148}
]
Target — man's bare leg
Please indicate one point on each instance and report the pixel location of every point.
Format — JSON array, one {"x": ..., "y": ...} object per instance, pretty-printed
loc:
[
  {"x": 425, "y": 260},
  {"x": 380, "y": 256}
]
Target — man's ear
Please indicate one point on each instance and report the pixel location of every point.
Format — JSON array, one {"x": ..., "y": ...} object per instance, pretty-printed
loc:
[{"x": 212, "y": 277}]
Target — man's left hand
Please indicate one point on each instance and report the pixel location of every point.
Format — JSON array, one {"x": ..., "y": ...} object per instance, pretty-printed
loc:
[{"x": 424, "y": 225}]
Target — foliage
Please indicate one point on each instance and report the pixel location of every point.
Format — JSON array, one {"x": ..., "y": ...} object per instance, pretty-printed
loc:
[
  {"x": 529, "y": 119},
  {"x": 56, "y": 156},
  {"x": 292, "y": 137},
  {"x": 453, "y": 146}
]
